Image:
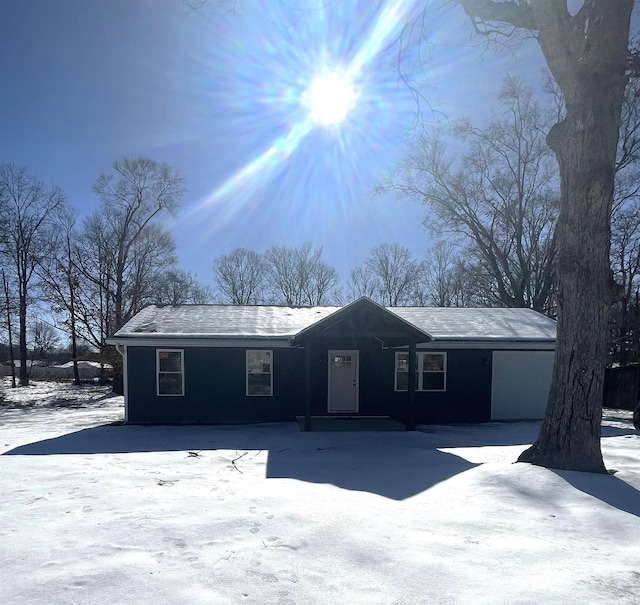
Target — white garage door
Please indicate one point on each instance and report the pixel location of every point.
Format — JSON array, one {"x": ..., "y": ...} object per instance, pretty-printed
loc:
[{"x": 520, "y": 384}]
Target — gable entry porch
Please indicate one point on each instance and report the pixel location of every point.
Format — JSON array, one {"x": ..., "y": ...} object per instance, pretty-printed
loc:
[{"x": 349, "y": 351}]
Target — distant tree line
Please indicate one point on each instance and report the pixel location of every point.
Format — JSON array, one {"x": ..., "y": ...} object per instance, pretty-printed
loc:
[
  {"x": 300, "y": 277},
  {"x": 281, "y": 276}
]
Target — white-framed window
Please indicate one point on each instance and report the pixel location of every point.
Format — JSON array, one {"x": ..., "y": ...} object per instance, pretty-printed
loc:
[
  {"x": 260, "y": 373},
  {"x": 170, "y": 372},
  {"x": 431, "y": 371}
]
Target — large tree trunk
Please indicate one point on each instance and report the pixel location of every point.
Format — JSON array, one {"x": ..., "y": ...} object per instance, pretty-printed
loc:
[
  {"x": 590, "y": 70},
  {"x": 570, "y": 433}
]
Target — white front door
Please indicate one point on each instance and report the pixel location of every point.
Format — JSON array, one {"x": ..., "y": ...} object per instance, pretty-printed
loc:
[{"x": 343, "y": 381}]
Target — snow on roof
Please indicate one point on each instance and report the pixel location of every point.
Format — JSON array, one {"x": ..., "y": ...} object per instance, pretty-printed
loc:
[
  {"x": 227, "y": 321},
  {"x": 223, "y": 321},
  {"x": 480, "y": 324}
]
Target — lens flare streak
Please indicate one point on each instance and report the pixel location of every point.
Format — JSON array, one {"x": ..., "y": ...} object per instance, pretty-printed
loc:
[
  {"x": 387, "y": 23},
  {"x": 279, "y": 151}
]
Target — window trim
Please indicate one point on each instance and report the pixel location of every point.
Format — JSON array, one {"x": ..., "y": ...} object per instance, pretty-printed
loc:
[
  {"x": 158, "y": 372},
  {"x": 419, "y": 364},
  {"x": 270, "y": 373}
]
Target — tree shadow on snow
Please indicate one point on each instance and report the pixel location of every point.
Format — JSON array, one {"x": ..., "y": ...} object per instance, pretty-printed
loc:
[
  {"x": 60, "y": 402},
  {"x": 607, "y": 488},
  {"x": 391, "y": 472},
  {"x": 617, "y": 423},
  {"x": 395, "y": 465}
]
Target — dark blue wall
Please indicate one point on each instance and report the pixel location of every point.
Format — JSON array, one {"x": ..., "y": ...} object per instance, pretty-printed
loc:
[
  {"x": 467, "y": 397},
  {"x": 468, "y": 394},
  {"x": 215, "y": 386}
]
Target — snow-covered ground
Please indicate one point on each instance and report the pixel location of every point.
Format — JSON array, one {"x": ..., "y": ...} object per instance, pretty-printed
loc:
[{"x": 92, "y": 511}]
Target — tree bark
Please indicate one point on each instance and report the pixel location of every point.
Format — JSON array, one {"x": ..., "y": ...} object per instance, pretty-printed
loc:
[{"x": 589, "y": 66}]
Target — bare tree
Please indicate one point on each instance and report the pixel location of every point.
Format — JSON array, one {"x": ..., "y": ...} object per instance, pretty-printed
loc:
[
  {"x": 9, "y": 308},
  {"x": 151, "y": 254},
  {"x": 625, "y": 234},
  {"x": 122, "y": 253},
  {"x": 179, "y": 287},
  {"x": 45, "y": 339},
  {"x": 625, "y": 229},
  {"x": 60, "y": 281},
  {"x": 588, "y": 56},
  {"x": 448, "y": 281},
  {"x": 500, "y": 197},
  {"x": 138, "y": 191},
  {"x": 299, "y": 276},
  {"x": 239, "y": 277},
  {"x": 283, "y": 275},
  {"x": 362, "y": 282},
  {"x": 321, "y": 285},
  {"x": 628, "y": 156},
  {"x": 27, "y": 211},
  {"x": 397, "y": 273},
  {"x": 94, "y": 259},
  {"x": 110, "y": 292},
  {"x": 625, "y": 264}
]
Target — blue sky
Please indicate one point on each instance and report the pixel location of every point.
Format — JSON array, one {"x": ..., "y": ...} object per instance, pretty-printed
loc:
[{"x": 88, "y": 82}]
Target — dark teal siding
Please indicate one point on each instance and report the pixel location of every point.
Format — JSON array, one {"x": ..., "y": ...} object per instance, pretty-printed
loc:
[
  {"x": 468, "y": 394},
  {"x": 467, "y": 397},
  {"x": 215, "y": 386}
]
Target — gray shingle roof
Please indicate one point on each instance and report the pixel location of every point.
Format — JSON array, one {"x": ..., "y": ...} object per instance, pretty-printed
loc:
[
  {"x": 223, "y": 321},
  {"x": 244, "y": 322},
  {"x": 480, "y": 324}
]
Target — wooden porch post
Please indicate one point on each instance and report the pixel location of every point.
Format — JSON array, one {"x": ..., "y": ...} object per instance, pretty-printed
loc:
[
  {"x": 307, "y": 387},
  {"x": 411, "y": 391}
]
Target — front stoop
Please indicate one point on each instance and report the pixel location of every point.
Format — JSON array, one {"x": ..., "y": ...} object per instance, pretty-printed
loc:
[{"x": 352, "y": 423}]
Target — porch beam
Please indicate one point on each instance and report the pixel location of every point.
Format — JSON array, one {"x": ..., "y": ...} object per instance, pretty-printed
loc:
[
  {"x": 411, "y": 390},
  {"x": 307, "y": 388}
]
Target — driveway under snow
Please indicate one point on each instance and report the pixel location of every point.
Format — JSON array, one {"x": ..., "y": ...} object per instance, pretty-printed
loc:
[{"x": 96, "y": 512}]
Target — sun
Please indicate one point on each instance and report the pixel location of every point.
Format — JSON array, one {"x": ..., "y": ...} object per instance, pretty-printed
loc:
[{"x": 329, "y": 99}]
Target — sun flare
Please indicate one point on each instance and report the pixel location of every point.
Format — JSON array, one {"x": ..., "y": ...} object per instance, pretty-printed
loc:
[
  {"x": 329, "y": 99},
  {"x": 308, "y": 94}
]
